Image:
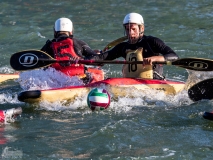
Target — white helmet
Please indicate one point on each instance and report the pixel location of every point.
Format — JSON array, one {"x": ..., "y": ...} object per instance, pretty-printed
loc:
[
  {"x": 133, "y": 18},
  {"x": 63, "y": 24}
]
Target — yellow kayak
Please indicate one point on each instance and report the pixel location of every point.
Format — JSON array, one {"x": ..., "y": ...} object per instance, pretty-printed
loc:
[
  {"x": 115, "y": 86},
  {"x": 5, "y": 77}
]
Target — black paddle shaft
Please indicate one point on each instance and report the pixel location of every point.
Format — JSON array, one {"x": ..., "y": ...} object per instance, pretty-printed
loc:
[
  {"x": 201, "y": 90},
  {"x": 34, "y": 59}
]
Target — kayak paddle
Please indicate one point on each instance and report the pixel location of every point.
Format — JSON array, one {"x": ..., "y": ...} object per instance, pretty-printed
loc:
[
  {"x": 201, "y": 90},
  {"x": 42, "y": 56},
  {"x": 114, "y": 43},
  {"x": 34, "y": 59}
]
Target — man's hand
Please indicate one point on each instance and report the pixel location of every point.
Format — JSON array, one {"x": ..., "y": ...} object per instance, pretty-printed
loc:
[
  {"x": 147, "y": 61},
  {"x": 150, "y": 60}
]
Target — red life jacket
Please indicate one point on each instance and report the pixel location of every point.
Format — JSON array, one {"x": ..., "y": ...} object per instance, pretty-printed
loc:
[{"x": 64, "y": 50}]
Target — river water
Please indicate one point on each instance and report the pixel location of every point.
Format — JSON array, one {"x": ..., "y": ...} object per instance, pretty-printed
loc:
[{"x": 148, "y": 126}]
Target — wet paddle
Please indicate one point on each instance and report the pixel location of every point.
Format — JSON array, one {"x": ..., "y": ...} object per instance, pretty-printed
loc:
[
  {"x": 201, "y": 90},
  {"x": 34, "y": 59}
]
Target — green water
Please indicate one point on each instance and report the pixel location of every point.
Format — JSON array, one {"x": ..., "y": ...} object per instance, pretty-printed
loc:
[{"x": 151, "y": 126}]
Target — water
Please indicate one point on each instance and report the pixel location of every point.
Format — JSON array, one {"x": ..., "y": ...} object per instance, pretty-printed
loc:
[{"x": 148, "y": 126}]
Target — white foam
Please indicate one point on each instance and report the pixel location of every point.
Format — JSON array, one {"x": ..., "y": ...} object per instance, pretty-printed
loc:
[
  {"x": 39, "y": 35},
  {"x": 197, "y": 76},
  {"x": 8, "y": 98},
  {"x": 148, "y": 98},
  {"x": 6, "y": 69},
  {"x": 79, "y": 103},
  {"x": 46, "y": 79},
  {"x": 167, "y": 153}
]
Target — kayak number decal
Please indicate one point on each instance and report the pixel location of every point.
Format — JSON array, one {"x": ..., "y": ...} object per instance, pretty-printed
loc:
[
  {"x": 197, "y": 64},
  {"x": 28, "y": 60}
]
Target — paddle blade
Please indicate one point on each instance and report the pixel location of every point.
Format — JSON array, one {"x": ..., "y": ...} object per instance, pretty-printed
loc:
[
  {"x": 114, "y": 43},
  {"x": 30, "y": 59},
  {"x": 197, "y": 64},
  {"x": 201, "y": 90}
]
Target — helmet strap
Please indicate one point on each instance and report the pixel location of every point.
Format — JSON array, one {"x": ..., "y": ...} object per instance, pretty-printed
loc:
[{"x": 140, "y": 29}]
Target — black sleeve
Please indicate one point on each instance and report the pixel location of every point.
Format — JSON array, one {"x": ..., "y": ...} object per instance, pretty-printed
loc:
[
  {"x": 47, "y": 48},
  {"x": 159, "y": 46},
  {"x": 82, "y": 49},
  {"x": 115, "y": 52}
]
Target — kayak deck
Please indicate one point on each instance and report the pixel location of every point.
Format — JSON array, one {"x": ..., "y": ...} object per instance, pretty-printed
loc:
[
  {"x": 115, "y": 86},
  {"x": 5, "y": 77}
]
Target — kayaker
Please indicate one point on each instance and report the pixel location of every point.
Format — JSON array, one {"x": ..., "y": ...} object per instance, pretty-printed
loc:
[
  {"x": 139, "y": 47},
  {"x": 65, "y": 47}
]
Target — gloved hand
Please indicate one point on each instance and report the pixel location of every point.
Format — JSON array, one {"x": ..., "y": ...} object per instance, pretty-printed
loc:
[
  {"x": 74, "y": 60},
  {"x": 98, "y": 51}
]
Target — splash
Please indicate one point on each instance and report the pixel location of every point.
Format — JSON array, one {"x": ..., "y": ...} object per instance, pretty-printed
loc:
[
  {"x": 135, "y": 99},
  {"x": 6, "y": 70},
  {"x": 8, "y": 98},
  {"x": 46, "y": 79},
  {"x": 196, "y": 76},
  {"x": 39, "y": 35}
]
